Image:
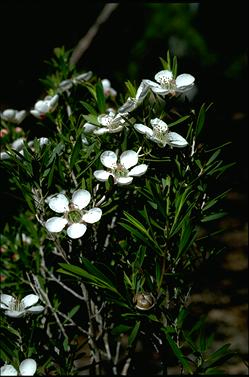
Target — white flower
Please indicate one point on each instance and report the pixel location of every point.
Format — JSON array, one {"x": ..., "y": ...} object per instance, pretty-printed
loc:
[
  {"x": 16, "y": 308},
  {"x": 120, "y": 170},
  {"x": 166, "y": 83},
  {"x": 13, "y": 116},
  {"x": 42, "y": 107},
  {"x": 26, "y": 368},
  {"x": 108, "y": 90},
  {"x": 132, "y": 103},
  {"x": 160, "y": 134},
  {"x": 18, "y": 145},
  {"x": 110, "y": 123},
  {"x": 74, "y": 214},
  {"x": 67, "y": 84}
]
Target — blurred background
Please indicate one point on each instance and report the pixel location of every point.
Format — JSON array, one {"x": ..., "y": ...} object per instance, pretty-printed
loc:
[{"x": 211, "y": 43}]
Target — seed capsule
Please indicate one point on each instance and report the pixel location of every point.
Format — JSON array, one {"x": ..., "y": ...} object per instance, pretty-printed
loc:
[{"x": 144, "y": 300}]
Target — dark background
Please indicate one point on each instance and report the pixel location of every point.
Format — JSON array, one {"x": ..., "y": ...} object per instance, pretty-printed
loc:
[{"x": 211, "y": 42}]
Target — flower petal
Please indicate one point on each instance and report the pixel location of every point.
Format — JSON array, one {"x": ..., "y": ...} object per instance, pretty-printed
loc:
[
  {"x": 36, "y": 113},
  {"x": 151, "y": 84},
  {"x": 160, "y": 90},
  {"x": 18, "y": 144},
  {"x": 142, "y": 91},
  {"x": 53, "y": 102},
  {"x": 55, "y": 224},
  {"x": 92, "y": 216},
  {"x": 128, "y": 106},
  {"x": 101, "y": 175},
  {"x": 138, "y": 170},
  {"x": 20, "y": 115},
  {"x": 177, "y": 140},
  {"x": 14, "y": 313},
  {"x": 29, "y": 300},
  {"x": 76, "y": 230},
  {"x": 184, "y": 80},
  {"x": 28, "y": 367},
  {"x": 158, "y": 122},
  {"x": 163, "y": 75},
  {"x": 8, "y": 114},
  {"x": 36, "y": 309},
  {"x": 101, "y": 131},
  {"x": 42, "y": 107},
  {"x": 42, "y": 141},
  {"x": 143, "y": 129},
  {"x": 59, "y": 203},
  {"x": 83, "y": 76},
  {"x": 65, "y": 85},
  {"x": 108, "y": 159},
  {"x": 81, "y": 198},
  {"x": 105, "y": 120},
  {"x": 106, "y": 84},
  {"x": 89, "y": 127},
  {"x": 129, "y": 158},
  {"x": 122, "y": 181},
  {"x": 8, "y": 370},
  {"x": 6, "y": 300},
  {"x": 116, "y": 130},
  {"x": 4, "y": 156}
]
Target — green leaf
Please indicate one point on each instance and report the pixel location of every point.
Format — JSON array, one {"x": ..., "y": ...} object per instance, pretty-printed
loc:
[
  {"x": 76, "y": 151},
  {"x": 134, "y": 333},
  {"x": 73, "y": 311},
  {"x": 219, "y": 356},
  {"x": 78, "y": 271},
  {"x": 89, "y": 108},
  {"x": 51, "y": 174},
  {"x": 132, "y": 220},
  {"x": 178, "y": 353},
  {"x": 131, "y": 89},
  {"x": 91, "y": 119},
  {"x": 213, "y": 157},
  {"x": 214, "y": 371},
  {"x": 188, "y": 236},
  {"x": 213, "y": 217},
  {"x": 100, "y": 98},
  {"x": 201, "y": 119},
  {"x": 168, "y": 60},
  {"x": 180, "y": 120},
  {"x": 119, "y": 329},
  {"x": 174, "y": 67},
  {"x": 91, "y": 268},
  {"x": 164, "y": 64}
]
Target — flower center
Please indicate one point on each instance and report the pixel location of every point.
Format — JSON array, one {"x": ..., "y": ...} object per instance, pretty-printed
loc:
[
  {"x": 120, "y": 171},
  {"x": 114, "y": 123},
  {"x": 74, "y": 216},
  {"x": 160, "y": 132},
  {"x": 16, "y": 305},
  {"x": 167, "y": 83},
  {"x": 160, "y": 129}
]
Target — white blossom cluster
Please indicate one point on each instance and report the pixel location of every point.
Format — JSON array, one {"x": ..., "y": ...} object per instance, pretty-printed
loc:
[{"x": 75, "y": 215}]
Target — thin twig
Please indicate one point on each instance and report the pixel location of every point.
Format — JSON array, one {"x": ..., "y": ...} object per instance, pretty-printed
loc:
[
  {"x": 126, "y": 367},
  {"x": 91, "y": 333},
  {"x": 85, "y": 42},
  {"x": 53, "y": 278},
  {"x": 45, "y": 297},
  {"x": 72, "y": 322},
  {"x": 116, "y": 358},
  {"x": 107, "y": 347}
]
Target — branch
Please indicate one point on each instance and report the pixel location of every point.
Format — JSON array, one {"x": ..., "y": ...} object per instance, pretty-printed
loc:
[{"x": 85, "y": 42}]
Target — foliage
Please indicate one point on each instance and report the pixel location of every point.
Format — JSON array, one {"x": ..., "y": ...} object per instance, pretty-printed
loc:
[{"x": 148, "y": 241}]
